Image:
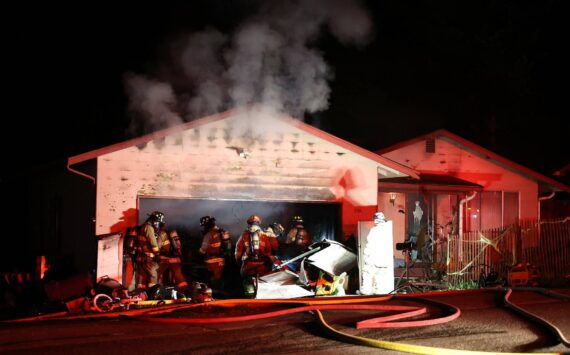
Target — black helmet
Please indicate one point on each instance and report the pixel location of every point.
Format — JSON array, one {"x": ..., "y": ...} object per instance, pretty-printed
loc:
[
  {"x": 254, "y": 219},
  {"x": 207, "y": 221},
  {"x": 156, "y": 216},
  {"x": 297, "y": 220}
]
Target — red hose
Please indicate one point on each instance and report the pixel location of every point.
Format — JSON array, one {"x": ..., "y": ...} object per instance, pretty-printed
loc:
[{"x": 348, "y": 304}]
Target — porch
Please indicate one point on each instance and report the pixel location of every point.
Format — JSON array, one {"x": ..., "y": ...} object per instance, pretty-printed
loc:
[{"x": 527, "y": 253}]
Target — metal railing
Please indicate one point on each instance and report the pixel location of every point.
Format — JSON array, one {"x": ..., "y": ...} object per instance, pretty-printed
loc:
[{"x": 544, "y": 245}]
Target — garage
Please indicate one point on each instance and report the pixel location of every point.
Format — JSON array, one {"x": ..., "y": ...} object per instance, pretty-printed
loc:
[
  {"x": 321, "y": 219},
  {"x": 231, "y": 165}
]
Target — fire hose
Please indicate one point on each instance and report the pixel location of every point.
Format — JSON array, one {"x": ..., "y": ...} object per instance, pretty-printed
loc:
[
  {"x": 340, "y": 303},
  {"x": 533, "y": 316},
  {"x": 316, "y": 305}
]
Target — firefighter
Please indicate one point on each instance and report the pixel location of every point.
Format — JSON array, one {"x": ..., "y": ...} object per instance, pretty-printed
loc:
[
  {"x": 215, "y": 243},
  {"x": 170, "y": 268},
  {"x": 148, "y": 257},
  {"x": 297, "y": 242},
  {"x": 130, "y": 251},
  {"x": 274, "y": 232},
  {"x": 298, "y": 236},
  {"x": 253, "y": 254}
]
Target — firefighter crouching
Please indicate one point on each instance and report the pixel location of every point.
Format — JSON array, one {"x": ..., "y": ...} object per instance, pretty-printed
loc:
[
  {"x": 253, "y": 253},
  {"x": 214, "y": 242},
  {"x": 170, "y": 267},
  {"x": 147, "y": 259}
]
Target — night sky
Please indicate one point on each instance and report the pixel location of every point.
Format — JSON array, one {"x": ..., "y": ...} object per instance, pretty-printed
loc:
[{"x": 492, "y": 72}]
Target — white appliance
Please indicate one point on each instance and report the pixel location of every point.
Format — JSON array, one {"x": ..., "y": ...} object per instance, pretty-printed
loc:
[
  {"x": 375, "y": 257},
  {"x": 110, "y": 256}
]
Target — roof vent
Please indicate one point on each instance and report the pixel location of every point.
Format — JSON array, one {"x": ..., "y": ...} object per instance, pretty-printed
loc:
[{"x": 430, "y": 145}]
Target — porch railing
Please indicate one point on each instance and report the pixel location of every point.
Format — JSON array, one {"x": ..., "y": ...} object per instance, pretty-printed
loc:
[{"x": 544, "y": 245}]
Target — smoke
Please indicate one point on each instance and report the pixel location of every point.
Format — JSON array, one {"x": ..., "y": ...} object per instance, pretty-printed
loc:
[
  {"x": 153, "y": 103},
  {"x": 200, "y": 63},
  {"x": 270, "y": 59}
]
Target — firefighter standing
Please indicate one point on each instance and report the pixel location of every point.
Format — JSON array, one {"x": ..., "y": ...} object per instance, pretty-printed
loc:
[
  {"x": 147, "y": 260},
  {"x": 170, "y": 268},
  {"x": 253, "y": 254},
  {"x": 274, "y": 232},
  {"x": 298, "y": 236},
  {"x": 130, "y": 250},
  {"x": 297, "y": 241},
  {"x": 215, "y": 244}
]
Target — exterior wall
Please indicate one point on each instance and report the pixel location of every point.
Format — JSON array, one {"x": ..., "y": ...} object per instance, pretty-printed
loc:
[
  {"x": 451, "y": 159},
  {"x": 238, "y": 158}
]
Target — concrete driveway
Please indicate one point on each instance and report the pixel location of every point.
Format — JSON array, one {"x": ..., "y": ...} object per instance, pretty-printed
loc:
[{"x": 484, "y": 325}]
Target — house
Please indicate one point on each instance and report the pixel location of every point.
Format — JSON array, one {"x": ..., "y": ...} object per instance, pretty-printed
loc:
[
  {"x": 462, "y": 187},
  {"x": 231, "y": 165}
]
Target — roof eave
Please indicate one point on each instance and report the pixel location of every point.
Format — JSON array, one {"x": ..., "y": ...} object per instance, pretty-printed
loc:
[
  {"x": 483, "y": 153},
  {"x": 385, "y": 162},
  {"x": 352, "y": 147},
  {"x": 147, "y": 137}
]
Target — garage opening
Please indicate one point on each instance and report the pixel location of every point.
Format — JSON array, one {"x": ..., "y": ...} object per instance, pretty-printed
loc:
[{"x": 323, "y": 220}]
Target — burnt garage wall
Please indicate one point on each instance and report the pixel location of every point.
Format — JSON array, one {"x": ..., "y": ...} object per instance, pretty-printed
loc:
[
  {"x": 263, "y": 159},
  {"x": 321, "y": 219}
]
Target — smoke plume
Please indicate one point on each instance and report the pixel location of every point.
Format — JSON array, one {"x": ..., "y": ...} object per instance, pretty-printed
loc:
[
  {"x": 152, "y": 103},
  {"x": 270, "y": 59}
]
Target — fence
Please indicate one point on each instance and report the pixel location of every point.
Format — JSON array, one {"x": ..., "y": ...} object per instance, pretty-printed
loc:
[{"x": 545, "y": 245}]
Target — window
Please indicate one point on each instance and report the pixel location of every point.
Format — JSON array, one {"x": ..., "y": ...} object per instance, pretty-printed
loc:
[
  {"x": 472, "y": 214},
  {"x": 510, "y": 208},
  {"x": 491, "y": 209}
]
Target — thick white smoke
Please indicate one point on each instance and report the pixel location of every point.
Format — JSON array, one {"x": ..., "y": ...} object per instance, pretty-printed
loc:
[
  {"x": 270, "y": 59},
  {"x": 201, "y": 64},
  {"x": 153, "y": 102}
]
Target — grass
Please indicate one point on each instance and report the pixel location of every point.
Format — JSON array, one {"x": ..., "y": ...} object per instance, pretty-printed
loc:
[{"x": 462, "y": 285}]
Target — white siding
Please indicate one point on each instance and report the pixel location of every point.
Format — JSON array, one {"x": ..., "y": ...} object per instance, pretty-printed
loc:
[
  {"x": 283, "y": 163},
  {"x": 453, "y": 160}
]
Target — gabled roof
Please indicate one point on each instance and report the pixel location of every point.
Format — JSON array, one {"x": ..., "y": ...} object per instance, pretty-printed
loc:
[
  {"x": 147, "y": 138},
  {"x": 217, "y": 117},
  {"x": 481, "y": 152}
]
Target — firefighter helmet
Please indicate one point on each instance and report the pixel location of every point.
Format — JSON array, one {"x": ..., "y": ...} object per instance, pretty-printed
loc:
[
  {"x": 157, "y": 216},
  {"x": 297, "y": 220},
  {"x": 253, "y": 219},
  {"x": 207, "y": 221}
]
